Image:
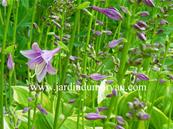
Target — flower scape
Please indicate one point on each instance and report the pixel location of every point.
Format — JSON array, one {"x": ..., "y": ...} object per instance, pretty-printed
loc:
[{"x": 116, "y": 54}]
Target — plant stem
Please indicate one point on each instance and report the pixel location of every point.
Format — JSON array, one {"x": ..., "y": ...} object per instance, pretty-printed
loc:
[
  {"x": 2, "y": 65},
  {"x": 28, "y": 46}
]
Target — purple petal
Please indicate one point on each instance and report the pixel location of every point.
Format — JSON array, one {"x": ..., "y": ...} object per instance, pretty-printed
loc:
[
  {"x": 109, "y": 12},
  {"x": 142, "y": 36},
  {"x": 50, "y": 69},
  {"x": 163, "y": 22},
  {"x": 144, "y": 13},
  {"x": 42, "y": 109},
  {"x": 41, "y": 70},
  {"x": 143, "y": 116},
  {"x": 120, "y": 120},
  {"x": 114, "y": 43},
  {"x": 100, "y": 109},
  {"x": 142, "y": 76},
  {"x": 119, "y": 127},
  {"x": 32, "y": 63},
  {"x": 26, "y": 109},
  {"x": 30, "y": 54},
  {"x": 10, "y": 63},
  {"x": 48, "y": 55},
  {"x": 97, "y": 76},
  {"x": 35, "y": 47},
  {"x": 94, "y": 116},
  {"x": 149, "y": 3}
]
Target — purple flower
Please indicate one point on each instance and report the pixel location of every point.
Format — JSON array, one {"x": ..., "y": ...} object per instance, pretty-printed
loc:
[
  {"x": 163, "y": 22},
  {"x": 144, "y": 13},
  {"x": 129, "y": 115},
  {"x": 4, "y": 3},
  {"x": 98, "y": 33},
  {"x": 94, "y": 116},
  {"x": 162, "y": 81},
  {"x": 114, "y": 92},
  {"x": 114, "y": 43},
  {"x": 142, "y": 76},
  {"x": 102, "y": 109},
  {"x": 40, "y": 60},
  {"x": 109, "y": 12},
  {"x": 149, "y": 3},
  {"x": 41, "y": 109},
  {"x": 108, "y": 32},
  {"x": 73, "y": 58},
  {"x": 142, "y": 36},
  {"x": 143, "y": 116},
  {"x": 99, "y": 22},
  {"x": 119, "y": 127},
  {"x": 10, "y": 63},
  {"x": 120, "y": 120},
  {"x": 29, "y": 99},
  {"x": 71, "y": 101},
  {"x": 97, "y": 77},
  {"x": 140, "y": 25},
  {"x": 26, "y": 109},
  {"x": 125, "y": 10}
]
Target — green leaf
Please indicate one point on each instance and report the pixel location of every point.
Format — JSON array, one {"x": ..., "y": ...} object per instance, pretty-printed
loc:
[
  {"x": 44, "y": 121},
  {"x": 63, "y": 46},
  {"x": 84, "y": 5},
  {"x": 21, "y": 95},
  {"x": 9, "y": 49},
  {"x": 158, "y": 118}
]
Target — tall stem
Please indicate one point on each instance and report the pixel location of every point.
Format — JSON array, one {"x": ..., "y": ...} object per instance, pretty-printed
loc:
[{"x": 2, "y": 65}]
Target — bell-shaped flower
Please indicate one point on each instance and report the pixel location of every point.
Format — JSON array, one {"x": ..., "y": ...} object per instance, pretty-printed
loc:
[
  {"x": 40, "y": 60},
  {"x": 4, "y": 3},
  {"x": 109, "y": 12},
  {"x": 114, "y": 43},
  {"x": 97, "y": 77},
  {"x": 149, "y": 3},
  {"x": 94, "y": 116},
  {"x": 10, "y": 63}
]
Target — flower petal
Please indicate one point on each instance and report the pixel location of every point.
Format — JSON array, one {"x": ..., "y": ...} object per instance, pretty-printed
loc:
[
  {"x": 50, "y": 69},
  {"x": 30, "y": 54},
  {"x": 35, "y": 47},
  {"x": 41, "y": 70}
]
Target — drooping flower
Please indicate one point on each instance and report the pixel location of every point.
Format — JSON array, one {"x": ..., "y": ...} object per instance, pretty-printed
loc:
[
  {"x": 26, "y": 109},
  {"x": 108, "y": 32},
  {"x": 97, "y": 77},
  {"x": 141, "y": 76},
  {"x": 10, "y": 63},
  {"x": 41, "y": 109},
  {"x": 40, "y": 60},
  {"x": 143, "y": 116},
  {"x": 120, "y": 120},
  {"x": 100, "y": 109},
  {"x": 114, "y": 43},
  {"x": 163, "y": 22},
  {"x": 149, "y": 3},
  {"x": 4, "y": 3},
  {"x": 141, "y": 25},
  {"x": 144, "y": 13},
  {"x": 125, "y": 10},
  {"x": 71, "y": 101},
  {"x": 94, "y": 116},
  {"x": 142, "y": 36},
  {"x": 119, "y": 127},
  {"x": 109, "y": 12}
]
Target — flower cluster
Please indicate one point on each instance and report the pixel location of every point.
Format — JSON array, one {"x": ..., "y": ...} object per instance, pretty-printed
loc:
[{"x": 137, "y": 110}]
